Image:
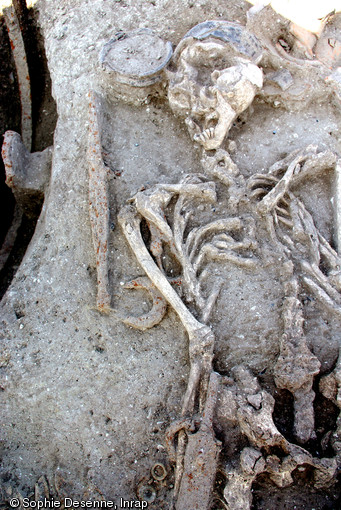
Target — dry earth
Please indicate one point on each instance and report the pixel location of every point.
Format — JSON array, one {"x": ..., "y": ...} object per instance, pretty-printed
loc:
[{"x": 82, "y": 394}]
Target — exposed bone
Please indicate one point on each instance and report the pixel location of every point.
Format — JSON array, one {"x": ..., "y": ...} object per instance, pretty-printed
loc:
[
  {"x": 221, "y": 167},
  {"x": 151, "y": 203},
  {"x": 224, "y": 241},
  {"x": 156, "y": 314},
  {"x": 315, "y": 165},
  {"x": 211, "y": 302},
  {"x": 130, "y": 221},
  {"x": 328, "y": 387},
  {"x": 191, "y": 283},
  {"x": 329, "y": 253},
  {"x": 285, "y": 221},
  {"x": 196, "y": 235},
  {"x": 281, "y": 165},
  {"x": 98, "y": 204},
  {"x": 156, "y": 240},
  {"x": 237, "y": 492},
  {"x": 211, "y": 252},
  {"x": 232, "y": 91},
  {"x": 200, "y": 336},
  {"x": 212, "y": 138},
  {"x": 247, "y": 406},
  {"x": 258, "y": 193},
  {"x": 321, "y": 295},
  {"x": 337, "y": 434},
  {"x": 296, "y": 365},
  {"x": 268, "y": 203},
  {"x": 262, "y": 180},
  {"x": 257, "y": 424},
  {"x": 300, "y": 222},
  {"x": 281, "y": 210},
  {"x": 254, "y": 418},
  {"x": 337, "y": 204},
  {"x": 305, "y": 232},
  {"x": 323, "y": 282}
]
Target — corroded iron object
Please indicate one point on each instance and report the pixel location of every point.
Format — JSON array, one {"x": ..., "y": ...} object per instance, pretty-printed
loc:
[
  {"x": 27, "y": 173},
  {"x": 136, "y": 58},
  {"x": 98, "y": 203},
  {"x": 201, "y": 458},
  {"x": 24, "y": 82}
]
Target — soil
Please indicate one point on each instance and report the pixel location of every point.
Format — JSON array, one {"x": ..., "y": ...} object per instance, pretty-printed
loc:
[
  {"x": 85, "y": 398},
  {"x": 44, "y": 118},
  {"x": 9, "y": 119}
]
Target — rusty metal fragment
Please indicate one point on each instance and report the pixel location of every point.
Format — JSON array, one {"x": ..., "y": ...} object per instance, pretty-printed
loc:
[
  {"x": 28, "y": 176},
  {"x": 26, "y": 172},
  {"x": 201, "y": 458},
  {"x": 20, "y": 59},
  {"x": 98, "y": 203}
]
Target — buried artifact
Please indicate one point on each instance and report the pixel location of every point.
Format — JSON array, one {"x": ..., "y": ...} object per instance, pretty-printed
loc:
[
  {"x": 214, "y": 192},
  {"x": 214, "y": 77}
]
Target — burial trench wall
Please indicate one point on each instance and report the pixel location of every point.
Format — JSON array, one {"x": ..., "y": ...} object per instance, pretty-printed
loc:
[{"x": 89, "y": 400}]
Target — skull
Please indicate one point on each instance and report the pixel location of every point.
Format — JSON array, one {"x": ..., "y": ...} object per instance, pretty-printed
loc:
[{"x": 212, "y": 83}]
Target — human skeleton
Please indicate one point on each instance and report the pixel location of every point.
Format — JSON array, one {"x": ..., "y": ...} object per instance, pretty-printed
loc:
[{"x": 209, "y": 108}]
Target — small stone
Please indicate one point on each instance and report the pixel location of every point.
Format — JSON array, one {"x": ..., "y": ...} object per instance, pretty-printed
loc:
[
  {"x": 232, "y": 146},
  {"x": 249, "y": 458},
  {"x": 328, "y": 387},
  {"x": 255, "y": 401}
]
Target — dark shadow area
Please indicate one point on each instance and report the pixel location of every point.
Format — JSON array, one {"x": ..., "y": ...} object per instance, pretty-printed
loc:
[
  {"x": 300, "y": 495},
  {"x": 283, "y": 414},
  {"x": 44, "y": 112},
  {"x": 24, "y": 235},
  {"x": 17, "y": 225},
  {"x": 9, "y": 119},
  {"x": 326, "y": 414}
]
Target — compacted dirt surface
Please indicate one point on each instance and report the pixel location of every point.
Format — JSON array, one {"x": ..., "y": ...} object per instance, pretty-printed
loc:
[{"x": 86, "y": 400}]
